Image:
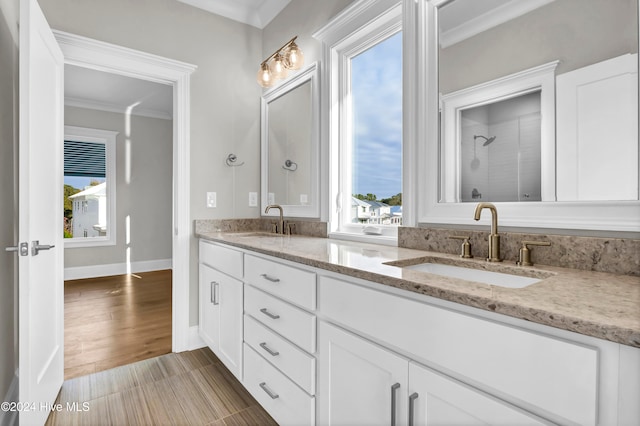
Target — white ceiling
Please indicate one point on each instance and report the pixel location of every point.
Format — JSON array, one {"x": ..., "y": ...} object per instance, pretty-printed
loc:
[
  {"x": 87, "y": 88},
  {"x": 257, "y": 13}
]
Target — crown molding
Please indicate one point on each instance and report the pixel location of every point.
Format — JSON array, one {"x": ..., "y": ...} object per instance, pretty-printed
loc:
[{"x": 488, "y": 20}]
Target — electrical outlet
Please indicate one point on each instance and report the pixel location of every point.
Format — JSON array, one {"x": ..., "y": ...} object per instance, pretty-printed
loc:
[
  {"x": 271, "y": 198},
  {"x": 304, "y": 199},
  {"x": 211, "y": 199},
  {"x": 253, "y": 199}
]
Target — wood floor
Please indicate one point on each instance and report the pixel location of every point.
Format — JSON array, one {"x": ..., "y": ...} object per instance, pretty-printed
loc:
[
  {"x": 113, "y": 321},
  {"x": 189, "y": 388}
]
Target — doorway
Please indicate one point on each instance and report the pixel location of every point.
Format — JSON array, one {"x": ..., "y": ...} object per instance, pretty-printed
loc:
[
  {"x": 96, "y": 55},
  {"x": 118, "y": 214}
]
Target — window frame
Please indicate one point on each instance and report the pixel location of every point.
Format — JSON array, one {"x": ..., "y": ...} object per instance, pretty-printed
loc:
[
  {"x": 108, "y": 138},
  {"x": 350, "y": 33}
]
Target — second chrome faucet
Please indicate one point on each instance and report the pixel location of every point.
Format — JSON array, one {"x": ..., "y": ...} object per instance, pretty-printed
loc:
[{"x": 494, "y": 238}]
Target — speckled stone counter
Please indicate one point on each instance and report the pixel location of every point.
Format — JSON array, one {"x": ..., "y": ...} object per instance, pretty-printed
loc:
[{"x": 597, "y": 304}]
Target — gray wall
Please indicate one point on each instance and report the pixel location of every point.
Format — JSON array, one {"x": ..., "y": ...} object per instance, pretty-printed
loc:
[
  {"x": 225, "y": 99},
  {"x": 301, "y": 18},
  {"x": 8, "y": 235},
  {"x": 146, "y": 199},
  {"x": 577, "y": 32},
  {"x": 225, "y": 104}
]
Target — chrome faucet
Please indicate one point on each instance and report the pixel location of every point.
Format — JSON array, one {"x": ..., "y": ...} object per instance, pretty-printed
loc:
[
  {"x": 494, "y": 238},
  {"x": 280, "y": 227}
]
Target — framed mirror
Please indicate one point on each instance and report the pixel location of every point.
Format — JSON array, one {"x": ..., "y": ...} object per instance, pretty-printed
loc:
[
  {"x": 290, "y": 152},
  {"x": 582, "y": 170}
]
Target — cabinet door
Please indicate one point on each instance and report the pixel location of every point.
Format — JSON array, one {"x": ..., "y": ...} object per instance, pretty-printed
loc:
[
  {"x": 209, "y": 318},
  {"x": 229, "y": 298},
  {"x": 221, "y": 316},
  {"x": 439, "y": 400},
  {"x": 360, "y": 383}
]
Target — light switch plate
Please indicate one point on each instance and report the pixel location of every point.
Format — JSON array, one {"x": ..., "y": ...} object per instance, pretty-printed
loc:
[
  {"x": 211, "y": 199},
  {"x": 253, "y": 199}
]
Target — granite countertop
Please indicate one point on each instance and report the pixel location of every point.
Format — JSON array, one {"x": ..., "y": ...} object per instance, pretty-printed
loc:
[{"x": 597, "y": 304}]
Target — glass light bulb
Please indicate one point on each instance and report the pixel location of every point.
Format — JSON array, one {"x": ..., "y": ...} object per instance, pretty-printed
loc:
[
  {"x": 264, "y": 77},
  {"x": 277, "y": 68},
  {"x": 294, "y": 58}
]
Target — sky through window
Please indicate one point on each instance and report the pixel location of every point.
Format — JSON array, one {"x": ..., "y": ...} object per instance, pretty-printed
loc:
[{"x": 376, "y": 88}]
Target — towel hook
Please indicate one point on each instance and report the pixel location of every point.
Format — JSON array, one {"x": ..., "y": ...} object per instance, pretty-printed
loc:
[
  {"x": 231, "y": 159},
  {"x": 290, "y": 165}
]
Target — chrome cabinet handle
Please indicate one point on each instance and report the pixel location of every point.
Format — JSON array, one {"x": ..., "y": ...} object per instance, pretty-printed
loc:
[
  {"x": 214, "y": 298},
  {"x": 412, "y": 402},
  {"x": 394, "y": 387},
  {"x": 270, "y": 278},
  {"x": 36, "y": 247},
  {"x": 268, "y": 391},
  {"x": 269, "y": 314},
  {"x": 271, "y": 352}
]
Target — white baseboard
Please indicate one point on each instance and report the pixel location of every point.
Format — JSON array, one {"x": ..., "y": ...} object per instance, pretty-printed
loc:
[
  {"x": 94, "y": 271},
  {"x": 10, "y": 418},
  {"x": 195, "y": 342}
]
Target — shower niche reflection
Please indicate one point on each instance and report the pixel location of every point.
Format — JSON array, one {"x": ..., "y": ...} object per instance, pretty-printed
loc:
[{"x": 500, "y": 150}]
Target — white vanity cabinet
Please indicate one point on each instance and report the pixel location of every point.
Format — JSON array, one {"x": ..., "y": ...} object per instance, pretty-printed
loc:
[
  {"x": 221, "y": 296},
  {"x": 318, "y": 347},
  {"x": 490, "y": 369},
  {"x": 364, "y": 383},
  {"x": 280, "y": 339},
  {"x": 359, "y": 382},
  {"x": 435, "y": 399}
]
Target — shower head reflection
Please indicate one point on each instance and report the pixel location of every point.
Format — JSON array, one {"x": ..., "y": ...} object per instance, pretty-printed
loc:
[{"x": 487, "y": 140}]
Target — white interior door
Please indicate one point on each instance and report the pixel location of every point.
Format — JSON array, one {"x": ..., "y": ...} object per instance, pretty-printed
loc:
[{"x": 40, "y": 272}]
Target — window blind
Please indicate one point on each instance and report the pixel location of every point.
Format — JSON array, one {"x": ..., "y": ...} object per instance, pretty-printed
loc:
[{"x": 87, "y": 159}]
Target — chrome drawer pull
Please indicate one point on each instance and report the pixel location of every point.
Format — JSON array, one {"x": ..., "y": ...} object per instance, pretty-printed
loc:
[
  {"x": 269, "y": 314},
  {"x": 214, "y": 298},
  {"x": 270, "y": 278},
  {"x": 412, "y": 403},
  {"x": 394, "y": 387},
  {"x": 264, "y": 346},
  {"x": 269, "y": 392}
]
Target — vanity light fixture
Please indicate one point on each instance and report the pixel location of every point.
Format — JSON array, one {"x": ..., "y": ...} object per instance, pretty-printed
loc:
[{"x": 277, "y": 66}]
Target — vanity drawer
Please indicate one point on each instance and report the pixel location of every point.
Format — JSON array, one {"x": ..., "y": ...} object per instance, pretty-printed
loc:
[
  {"x": 290, "y": 322},
  {"x": 223, "y": 259},
  {"x": 283, "y": 400},
  {"x": 298, "y": 365},
  {"x": 553, "y": 374},
  {"x": 289, "y": 283}
]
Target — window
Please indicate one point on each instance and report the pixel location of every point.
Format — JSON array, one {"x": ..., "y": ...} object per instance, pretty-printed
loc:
[
  {"x": 363, "y": 55},
  {"x": 375, "y": 143},
  {"x": 89, "y": 187}
]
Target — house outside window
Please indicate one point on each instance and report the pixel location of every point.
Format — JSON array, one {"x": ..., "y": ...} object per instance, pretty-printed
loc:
[{"x": 89, "y": 187}]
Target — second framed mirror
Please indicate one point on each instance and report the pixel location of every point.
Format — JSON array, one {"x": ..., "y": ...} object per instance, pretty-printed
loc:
[{"x": 290, "y": 153}]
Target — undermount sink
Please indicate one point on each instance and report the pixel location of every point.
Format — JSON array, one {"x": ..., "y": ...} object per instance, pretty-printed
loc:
[{"x": 500, "y": 279}]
